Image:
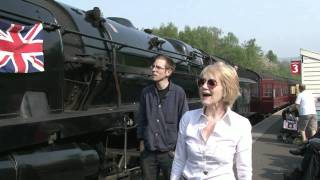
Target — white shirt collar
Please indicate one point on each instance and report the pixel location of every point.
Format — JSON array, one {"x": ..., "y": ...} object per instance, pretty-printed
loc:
[{"x": 226, "y": 117}]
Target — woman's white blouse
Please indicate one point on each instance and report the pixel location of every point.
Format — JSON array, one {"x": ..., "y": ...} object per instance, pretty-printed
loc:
[{"x": 229, "y": 143}]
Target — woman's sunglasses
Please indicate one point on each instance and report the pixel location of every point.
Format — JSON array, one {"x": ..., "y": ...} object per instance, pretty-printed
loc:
[{"x": 211, "y": 83}]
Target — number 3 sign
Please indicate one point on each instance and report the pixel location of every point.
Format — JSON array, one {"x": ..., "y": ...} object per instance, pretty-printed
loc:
[{"x": 295, "y": 67}]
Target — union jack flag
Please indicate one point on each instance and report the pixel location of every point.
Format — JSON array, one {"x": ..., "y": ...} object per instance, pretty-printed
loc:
[{"x": 21, "y": 48}]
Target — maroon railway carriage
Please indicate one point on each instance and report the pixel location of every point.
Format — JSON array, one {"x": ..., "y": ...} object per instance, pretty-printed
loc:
[
  {"x": 261, "y": 93},
  {"x": 274, "y": 93}
]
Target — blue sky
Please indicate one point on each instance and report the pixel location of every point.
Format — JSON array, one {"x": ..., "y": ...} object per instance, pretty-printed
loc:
[{"x": 283, "y": 26}]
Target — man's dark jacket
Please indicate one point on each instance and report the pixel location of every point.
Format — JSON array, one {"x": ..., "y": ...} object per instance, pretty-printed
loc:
[{"x": 158, "y": 122}]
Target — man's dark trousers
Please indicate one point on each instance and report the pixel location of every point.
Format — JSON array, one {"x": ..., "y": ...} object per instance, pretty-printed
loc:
[{"x": 153, "y": 161}]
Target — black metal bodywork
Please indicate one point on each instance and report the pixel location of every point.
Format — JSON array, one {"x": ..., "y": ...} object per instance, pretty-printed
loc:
[{"x": 86, "y": 100}]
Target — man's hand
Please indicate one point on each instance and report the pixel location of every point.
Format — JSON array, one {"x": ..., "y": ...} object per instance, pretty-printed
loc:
[
  {"x": 141, "y": 147},
  {"x": 171, "y": 154}
]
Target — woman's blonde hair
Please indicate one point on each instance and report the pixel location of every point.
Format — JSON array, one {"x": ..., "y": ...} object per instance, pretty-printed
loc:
[{"x": 229, "y": 80}]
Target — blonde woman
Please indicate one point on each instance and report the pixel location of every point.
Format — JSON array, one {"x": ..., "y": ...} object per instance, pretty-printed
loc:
[{"x": 213, "y": 138}]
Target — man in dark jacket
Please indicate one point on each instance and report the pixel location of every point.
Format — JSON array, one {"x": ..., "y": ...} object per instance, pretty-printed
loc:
[{"x": 162, "y": 104}]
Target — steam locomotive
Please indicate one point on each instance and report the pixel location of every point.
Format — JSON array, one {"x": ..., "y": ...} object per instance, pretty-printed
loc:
[{"x": 75, "y": 118}]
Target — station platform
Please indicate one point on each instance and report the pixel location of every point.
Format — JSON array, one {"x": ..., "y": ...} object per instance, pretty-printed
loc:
[{"x": 271, "y": 157}]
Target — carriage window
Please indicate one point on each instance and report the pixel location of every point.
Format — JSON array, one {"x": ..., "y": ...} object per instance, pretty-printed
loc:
[
  {"x": 267, "y": 90},
  {"x": 285, "y": 91},
  {"x": 278, "y": 92}
]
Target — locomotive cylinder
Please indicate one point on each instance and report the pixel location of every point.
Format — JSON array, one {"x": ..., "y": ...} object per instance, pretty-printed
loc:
[{"x": 63, "y": 162}]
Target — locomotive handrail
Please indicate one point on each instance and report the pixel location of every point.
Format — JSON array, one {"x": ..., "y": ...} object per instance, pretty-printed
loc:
[
  {"x": 125, "y": 45},
  {"x": 119, "y": 97}
]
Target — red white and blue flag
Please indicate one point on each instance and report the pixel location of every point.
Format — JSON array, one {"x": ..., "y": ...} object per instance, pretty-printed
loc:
[{"x": 21, "y": 48}]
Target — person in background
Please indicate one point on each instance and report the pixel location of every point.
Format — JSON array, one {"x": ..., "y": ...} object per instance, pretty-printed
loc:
[
  {"x": 305, "y": 103},
  {"x": 162, "y": 105},
  {"x": 213, "y": 138},
  {"x": 302, "y": 149},
  {"x": 309, "y": 167}
]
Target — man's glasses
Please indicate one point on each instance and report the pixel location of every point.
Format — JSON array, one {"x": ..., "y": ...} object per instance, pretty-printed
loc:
[
  {"x": 157, "y": 67},
  {"x": 212, "y": 83}
]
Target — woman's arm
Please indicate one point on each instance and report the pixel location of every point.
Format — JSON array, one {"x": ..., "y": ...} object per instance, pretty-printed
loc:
[
  {"x": 180, "y": 156},
  {"x": 244, "y": 155}
]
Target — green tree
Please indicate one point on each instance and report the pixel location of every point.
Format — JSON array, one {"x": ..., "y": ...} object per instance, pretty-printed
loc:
[
  {"x": 169, "y": 30},
  {"x": 230, "y": 39},
  {"x": 230, "y": 49},
  {"x": 211, "y": 40},
  {"x": 253, "y": 54},
  {"x": 204, "y": 38},
  {"x": 271, "y": 56}
]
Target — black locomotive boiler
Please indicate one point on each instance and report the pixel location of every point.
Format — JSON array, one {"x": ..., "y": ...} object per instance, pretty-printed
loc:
[{"x": 76, "y": 119}]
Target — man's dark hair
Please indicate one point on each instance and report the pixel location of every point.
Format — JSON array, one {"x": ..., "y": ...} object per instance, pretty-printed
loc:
[
  {"x": 302, "y": 87},
  {"x": 169, "y": 62}
]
